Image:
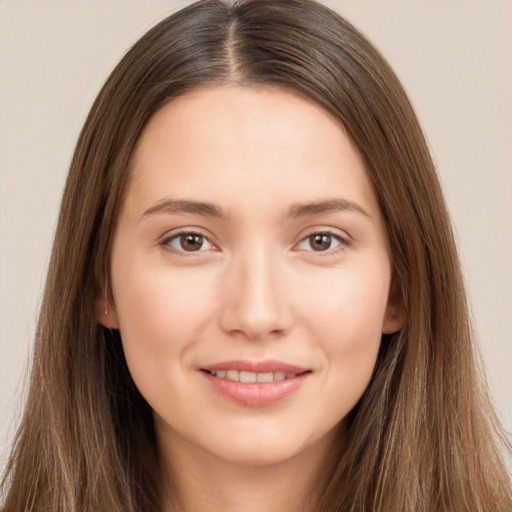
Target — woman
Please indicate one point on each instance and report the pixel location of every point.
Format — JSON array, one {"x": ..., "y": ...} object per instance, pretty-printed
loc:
[{"x": 254, "y": 298}]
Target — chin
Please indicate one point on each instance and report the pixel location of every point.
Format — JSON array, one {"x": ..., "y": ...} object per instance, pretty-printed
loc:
[
  {"x": 263, "y": 447},
  {"x": 260, "y": 455}
]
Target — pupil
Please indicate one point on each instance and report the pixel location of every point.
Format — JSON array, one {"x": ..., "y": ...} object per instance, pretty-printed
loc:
[
  {"x": 191, "y": 242},
  {"x": 320, "y": 242}
]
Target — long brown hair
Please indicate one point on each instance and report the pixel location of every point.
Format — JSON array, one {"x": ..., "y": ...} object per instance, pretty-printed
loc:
[{"x": 424, "y": 436}]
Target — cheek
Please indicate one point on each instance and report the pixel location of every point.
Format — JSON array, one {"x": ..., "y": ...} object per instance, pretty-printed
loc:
[
  {"x": 349, "y": 304},
  {"x": 160, "y": 311},
  {"x": 345, "y": 316}
]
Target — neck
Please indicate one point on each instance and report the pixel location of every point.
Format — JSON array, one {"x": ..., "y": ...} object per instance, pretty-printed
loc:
[{"x": 203, "y": 482}]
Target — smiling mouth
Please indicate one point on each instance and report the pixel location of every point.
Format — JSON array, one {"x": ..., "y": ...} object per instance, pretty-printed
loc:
[
  {"x": 251, "y": 377},
  {"x": 255, "y": 383}
]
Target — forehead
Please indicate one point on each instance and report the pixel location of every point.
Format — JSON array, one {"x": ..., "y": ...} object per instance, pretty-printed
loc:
[{"x": 243, "y": 140}]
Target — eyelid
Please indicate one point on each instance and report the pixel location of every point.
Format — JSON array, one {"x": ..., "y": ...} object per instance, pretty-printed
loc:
[
  {"x": 343, "y": 239},
  {"x": 176, "y": 233}
]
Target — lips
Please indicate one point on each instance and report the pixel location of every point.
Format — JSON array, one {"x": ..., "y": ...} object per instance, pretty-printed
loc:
[{"x": 255, "y": 384}]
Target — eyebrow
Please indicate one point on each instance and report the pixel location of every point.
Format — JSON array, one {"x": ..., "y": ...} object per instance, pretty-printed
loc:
[
  {"x": 183, "y": 206},
  {"x": 211, "y": 210},
  {"x": 331, "y": 205}
]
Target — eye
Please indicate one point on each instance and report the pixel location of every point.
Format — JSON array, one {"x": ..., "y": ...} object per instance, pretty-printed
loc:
[
  {"x": 188, "y": 242},
  {"x": 321, "y": 242}
]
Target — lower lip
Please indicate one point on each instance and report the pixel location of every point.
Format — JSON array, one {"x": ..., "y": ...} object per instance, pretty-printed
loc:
[{"x": 256, "y": 394}]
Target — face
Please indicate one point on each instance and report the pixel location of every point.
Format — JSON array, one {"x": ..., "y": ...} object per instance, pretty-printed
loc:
[{"x": 250, "y": 274}]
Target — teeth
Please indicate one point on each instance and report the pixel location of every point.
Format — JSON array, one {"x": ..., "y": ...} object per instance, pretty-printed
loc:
[
  {"x": 279, "y": 376},
  {"x": 265, "y": 377},
  {"x": 233, "y": 375},
  {"x": 249, "y": 377}
]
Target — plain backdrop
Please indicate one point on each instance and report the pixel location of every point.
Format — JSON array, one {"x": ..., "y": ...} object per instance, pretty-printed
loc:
[{"x": 454, "y": 58}]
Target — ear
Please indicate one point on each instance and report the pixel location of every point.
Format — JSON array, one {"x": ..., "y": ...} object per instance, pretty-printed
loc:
[
  {"x": 396, "y": 312},
  {"x": 104, "y": 309}
]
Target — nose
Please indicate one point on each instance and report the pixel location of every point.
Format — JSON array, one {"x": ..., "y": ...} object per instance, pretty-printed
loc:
[{"x": 254, "y": 298}]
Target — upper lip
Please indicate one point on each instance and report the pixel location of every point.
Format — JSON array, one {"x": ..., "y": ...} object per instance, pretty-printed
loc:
[{"x": 266, "y": 366}]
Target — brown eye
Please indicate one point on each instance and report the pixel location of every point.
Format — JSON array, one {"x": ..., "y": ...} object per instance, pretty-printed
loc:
[
  {"x": 320, "y": 241},
  {"x": 189, "y": 242}
]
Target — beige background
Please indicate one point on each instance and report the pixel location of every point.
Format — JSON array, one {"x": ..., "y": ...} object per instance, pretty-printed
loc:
[{"x": 454, "y": 58}]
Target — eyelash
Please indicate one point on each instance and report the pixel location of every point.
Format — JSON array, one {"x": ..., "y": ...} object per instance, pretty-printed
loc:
[
  {"x": 166, "y": 242},
  {"x": 343, "y": 242}
]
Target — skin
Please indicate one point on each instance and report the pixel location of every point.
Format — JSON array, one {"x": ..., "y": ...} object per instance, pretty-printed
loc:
[{"x": 256, "y": 286}]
